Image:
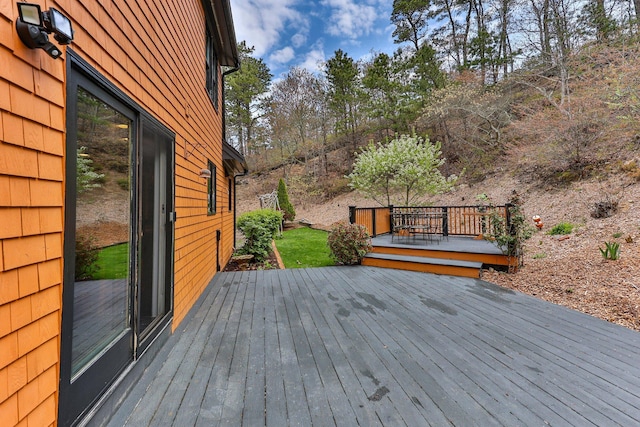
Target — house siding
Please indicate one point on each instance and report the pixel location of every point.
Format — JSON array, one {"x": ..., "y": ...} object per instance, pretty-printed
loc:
[
  {"x": 31, "y": 212},
  {"x": 154, "y": 53}
]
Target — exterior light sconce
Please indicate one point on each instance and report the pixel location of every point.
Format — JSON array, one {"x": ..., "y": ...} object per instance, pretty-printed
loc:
[
  {"x": 205, "y": 174},
  {"x": 33, "y": 27}
]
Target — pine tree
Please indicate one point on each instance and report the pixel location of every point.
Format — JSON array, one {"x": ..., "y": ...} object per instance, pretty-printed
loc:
[{"x": 283, "y": 199}]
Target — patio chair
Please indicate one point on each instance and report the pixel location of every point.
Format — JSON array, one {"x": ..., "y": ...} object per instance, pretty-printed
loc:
[{"x": 401, "y": 226}]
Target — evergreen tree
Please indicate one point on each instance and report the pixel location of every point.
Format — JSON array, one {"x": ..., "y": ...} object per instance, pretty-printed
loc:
[
  {"x": 244, "y": 91},
  {"x": 283, "y": 200}
]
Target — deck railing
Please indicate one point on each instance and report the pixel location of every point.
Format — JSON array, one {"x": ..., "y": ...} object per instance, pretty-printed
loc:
[
  {"x": 457, "y": 220},
  {"x": 377, "y": 220}
]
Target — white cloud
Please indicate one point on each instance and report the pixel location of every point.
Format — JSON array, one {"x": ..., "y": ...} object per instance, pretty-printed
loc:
[
  {"x": 314, "y": 59},
  {"x": 261, "y": 23},
  {"x": 282, "y": 56},
  {"x": 351, "y": 19},
  {"x": 298, "y": 39}
]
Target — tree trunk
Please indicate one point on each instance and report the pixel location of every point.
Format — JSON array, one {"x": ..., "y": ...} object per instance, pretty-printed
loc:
[{"x": 454, "y": 34}]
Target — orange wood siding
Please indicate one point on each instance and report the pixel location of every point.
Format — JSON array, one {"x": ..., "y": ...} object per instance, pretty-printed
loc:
[
  {"x": 160, "y": 65},
  {"x": 32, "y": 99}
]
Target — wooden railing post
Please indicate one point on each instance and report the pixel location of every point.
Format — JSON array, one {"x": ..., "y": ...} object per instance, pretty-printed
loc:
[
  {"x": 391, "y": 218},
  {"x": 445, "y": 222},
  {"x": 373, "y": 222},
  {"x": 352, "y": 214},
  {"x": 511, "y": 229}
]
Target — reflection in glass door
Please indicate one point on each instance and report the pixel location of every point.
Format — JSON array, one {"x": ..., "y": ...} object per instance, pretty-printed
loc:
[{"x": 103, "y": 211}]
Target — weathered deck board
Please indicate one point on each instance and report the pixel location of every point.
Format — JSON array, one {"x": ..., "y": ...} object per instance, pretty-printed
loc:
[{"x": 368, "y": 346}]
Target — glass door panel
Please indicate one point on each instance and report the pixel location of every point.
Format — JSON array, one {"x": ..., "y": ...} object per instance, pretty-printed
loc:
[
  {"x": 101, "y": 297},
  {"x": 154, "y": 298}
]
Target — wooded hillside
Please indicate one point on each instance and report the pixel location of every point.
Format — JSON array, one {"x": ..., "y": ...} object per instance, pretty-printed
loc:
[
  {"x": 522, "y": 126},
  {"x": 545, "y": 88}
]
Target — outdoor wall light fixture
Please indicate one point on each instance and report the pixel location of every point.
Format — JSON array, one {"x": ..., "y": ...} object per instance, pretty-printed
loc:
[
  {"x": 205, "y": 174},
  {"x": 33, "y": 27}
]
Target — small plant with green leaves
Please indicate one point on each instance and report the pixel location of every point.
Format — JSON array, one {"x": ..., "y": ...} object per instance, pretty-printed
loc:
[
  {"x": 509, "y": 237},
  {"x": 617, "y": 235},
  {"x": 259, "y": 227},
  {"x": 563, "y": 228},
  {"x": 349, "y": 243},
  {"x": 266, "y": 266},
  {"x": 610, "y": 251},
  {"x": 540, "y": 255}
]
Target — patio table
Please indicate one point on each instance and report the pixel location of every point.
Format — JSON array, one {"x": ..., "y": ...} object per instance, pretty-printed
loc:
[{"x": 417, "y": 223}]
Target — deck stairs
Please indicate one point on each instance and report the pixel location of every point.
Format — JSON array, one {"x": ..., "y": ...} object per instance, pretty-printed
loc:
[{"x": 455, "y": 256}]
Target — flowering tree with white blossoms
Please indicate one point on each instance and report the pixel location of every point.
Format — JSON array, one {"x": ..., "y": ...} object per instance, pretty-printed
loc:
[{"x": 400, "y": 172}]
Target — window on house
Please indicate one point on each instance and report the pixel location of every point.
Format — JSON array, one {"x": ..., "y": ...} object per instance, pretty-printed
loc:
[
  {"x": 212, "y": 69},
  {"x": 211, "y": 189}
]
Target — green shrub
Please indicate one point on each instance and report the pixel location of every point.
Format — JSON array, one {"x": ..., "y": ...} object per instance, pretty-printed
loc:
[
  {"x": 561, "y": 229},
  {"x": 349, "y": 243},
  {"x": 283, "y": 201},
  {"x": 86, "y": 258},
  {"x": 259, "y": 227}
]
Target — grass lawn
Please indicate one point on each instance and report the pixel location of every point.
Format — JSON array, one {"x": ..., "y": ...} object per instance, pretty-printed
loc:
[
  {"x": 304, "y": 247},
  {"x": 113, "y": 262}
]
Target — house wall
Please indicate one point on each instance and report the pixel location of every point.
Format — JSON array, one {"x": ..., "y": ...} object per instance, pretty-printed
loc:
[{"x": 160, "y": 65}]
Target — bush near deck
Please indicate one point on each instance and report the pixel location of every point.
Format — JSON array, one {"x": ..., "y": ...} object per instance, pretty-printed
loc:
[{"x": 259, "y": 227}]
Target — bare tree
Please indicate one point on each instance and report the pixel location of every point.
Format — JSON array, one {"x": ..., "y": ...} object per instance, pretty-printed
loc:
[{"x": 295, "y": 115}]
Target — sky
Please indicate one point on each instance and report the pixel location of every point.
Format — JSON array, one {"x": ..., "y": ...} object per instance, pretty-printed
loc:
[{"x": 304, "y": 33}]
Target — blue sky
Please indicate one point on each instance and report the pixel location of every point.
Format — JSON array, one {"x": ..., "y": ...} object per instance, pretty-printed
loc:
[{"x": 287, "y": 33}]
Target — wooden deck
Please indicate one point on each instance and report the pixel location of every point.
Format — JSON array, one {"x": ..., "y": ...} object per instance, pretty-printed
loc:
[{"x": 367, "y": 346}]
